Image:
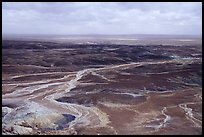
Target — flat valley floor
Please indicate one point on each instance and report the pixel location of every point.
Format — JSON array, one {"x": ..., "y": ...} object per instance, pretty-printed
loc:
[{"x": 96, "y": 89}]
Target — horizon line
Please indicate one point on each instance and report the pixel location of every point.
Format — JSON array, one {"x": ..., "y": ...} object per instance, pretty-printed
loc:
[{"x": 101, "y": 34}]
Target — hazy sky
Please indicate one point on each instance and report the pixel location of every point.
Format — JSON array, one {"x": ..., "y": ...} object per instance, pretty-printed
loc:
[{"x": 102, "y": 18}]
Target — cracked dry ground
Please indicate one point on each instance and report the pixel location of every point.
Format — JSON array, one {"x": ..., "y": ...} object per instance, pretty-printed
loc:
[{"x": 55, "y": 88}]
